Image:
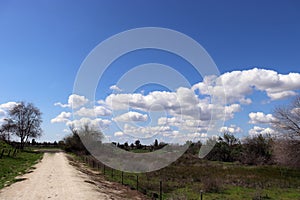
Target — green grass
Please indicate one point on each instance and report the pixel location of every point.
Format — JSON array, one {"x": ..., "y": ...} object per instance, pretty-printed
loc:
[
  {"x": 233, "y": 181},
  {"x": 4, "y": 145},
  {"x": 10, "y": 166},
  {"x": 241, "y": 193},
  {"x": 185, "y": 178},
  {"x": 238, "y": 193},
  {"x": 139, "y": 151}
]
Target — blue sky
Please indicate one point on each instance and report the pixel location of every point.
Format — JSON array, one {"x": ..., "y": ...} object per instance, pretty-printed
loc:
[{"x": 43, "y": 43}]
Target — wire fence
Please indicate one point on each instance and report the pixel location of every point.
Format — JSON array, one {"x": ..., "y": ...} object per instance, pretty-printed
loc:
[
  {"x": 8, "y": 152},
  {"x": 139, "y": 182}
]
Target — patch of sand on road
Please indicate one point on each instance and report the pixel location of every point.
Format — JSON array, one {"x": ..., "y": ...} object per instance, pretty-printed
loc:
[{"x": 53, "y": 178}]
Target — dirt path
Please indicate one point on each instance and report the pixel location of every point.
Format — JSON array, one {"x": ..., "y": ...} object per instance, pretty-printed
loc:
[{"x": 55, "y": 178}]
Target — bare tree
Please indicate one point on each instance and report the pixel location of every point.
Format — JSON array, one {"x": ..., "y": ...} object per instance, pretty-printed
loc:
[
  {"x": 81, "y": 137},
  {"x": 286, "y": 152},
  {"x": 24, "y": 121},
  {"x": 288, "y": 119},
  {"x": 90, "y": 134},
  {"x": 287, "y": 147}
]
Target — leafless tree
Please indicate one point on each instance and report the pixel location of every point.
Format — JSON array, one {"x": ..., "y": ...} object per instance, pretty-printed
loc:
[
  {"x": 288, "y": 119},
  {"x": 286, "y": 152},
  {"x": 287, "y": 146},
  {"x": 24, "y": 120},
  {"x": 81, "y": 137}
]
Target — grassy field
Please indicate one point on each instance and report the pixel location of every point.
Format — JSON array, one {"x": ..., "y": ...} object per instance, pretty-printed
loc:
[
  {"x": 185, "y": 178},
  {"x": 239, "y": 193},
  {"x": 12, "y": 166}
]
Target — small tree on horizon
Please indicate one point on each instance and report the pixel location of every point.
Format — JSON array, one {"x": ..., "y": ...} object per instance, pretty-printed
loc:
[
  {"x": 156, "y": 143},
  {"x": 137, "y": 144}
]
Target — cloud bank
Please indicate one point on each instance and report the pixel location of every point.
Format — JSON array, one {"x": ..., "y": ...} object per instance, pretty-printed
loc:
[{"x": 187, "y": 112}]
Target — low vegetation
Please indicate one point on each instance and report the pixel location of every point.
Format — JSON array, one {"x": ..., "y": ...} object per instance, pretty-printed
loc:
[
  {"x": 12, "y": 166},
  {"x": 188, "y": 176}
]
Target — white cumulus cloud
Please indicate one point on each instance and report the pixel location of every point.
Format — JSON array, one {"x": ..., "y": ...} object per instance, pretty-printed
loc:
[
  {"x": 95, "y": 123},
  {"x": 63, "y": 117},
  {"x": 96, "y": 111},
  {"x": 145, "y": 131},
  {"x": 115, "y": 88},
  {"x": 239, "y": 84},
  {"x": 182, "y": 103},
  {"x": 261, "y": 118},
  {"x": 118, "y": 134},
  {"x": 231, "y": 129},
  {"x": 75, "y": 101},
  {"x": 131, "y": 117},
  {"x": 9, "y": 105},
  {"x": 256, "y": 130}
]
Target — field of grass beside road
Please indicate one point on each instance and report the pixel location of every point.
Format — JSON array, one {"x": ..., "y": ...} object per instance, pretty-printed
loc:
[
  {"x": 239, "y": 193},
  {"x": 13, "y": 166},
  {"x": 185, "y": 178}
]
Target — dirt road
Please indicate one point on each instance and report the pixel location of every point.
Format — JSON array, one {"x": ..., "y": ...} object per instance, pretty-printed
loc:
[{"x": 55, "y": 178}]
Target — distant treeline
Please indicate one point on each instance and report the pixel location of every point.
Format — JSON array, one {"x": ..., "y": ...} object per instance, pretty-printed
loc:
[
  {"x": 137, "y": 145},
  {"x": 281, "y": 148},
  {"x": 33, "y": 143},
  {"x": 255, "y": 150}
]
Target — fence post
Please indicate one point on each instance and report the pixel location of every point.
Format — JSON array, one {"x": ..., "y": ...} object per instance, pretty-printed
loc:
[
  {"x": 160, "y": 190},
  {"x": 137, "y": 182},
  {"x": 201, "y": 195},
  {"x": 9, "y": 152},
  {"x": 104, "y": 169},
  {"x": 122, "y": 178},
  {"x": 15, "y": 151},
  {"x": 2, "y": 153}
]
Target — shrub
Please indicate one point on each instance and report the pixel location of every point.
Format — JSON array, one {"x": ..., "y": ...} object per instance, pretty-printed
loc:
[
  {"x": 257, "y": 150},
  {"x": 286, "y": 152},
  {"x": 212, "y": 184}
]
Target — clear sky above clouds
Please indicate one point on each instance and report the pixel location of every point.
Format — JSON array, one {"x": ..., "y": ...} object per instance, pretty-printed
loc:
[{"x": 43, "y": 43}]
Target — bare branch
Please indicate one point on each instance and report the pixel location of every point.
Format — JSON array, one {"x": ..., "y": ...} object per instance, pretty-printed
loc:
[{"x": 288, "y": 119}]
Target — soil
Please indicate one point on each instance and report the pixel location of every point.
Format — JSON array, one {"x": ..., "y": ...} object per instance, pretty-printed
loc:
[{"x": 57, "y": 177}]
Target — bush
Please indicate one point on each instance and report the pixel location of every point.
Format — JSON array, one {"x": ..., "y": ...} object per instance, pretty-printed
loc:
[
  {"x": 257, "y": 150},
  {"x": 286, "y": 152},
  {"x": 227, "y": 149},
  {"x": 212, "y": 184},
  {"x": 72, "y": 143}
]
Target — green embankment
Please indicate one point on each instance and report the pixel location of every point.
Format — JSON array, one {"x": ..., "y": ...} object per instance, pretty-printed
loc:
[{"x": 12, "y": 166}]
